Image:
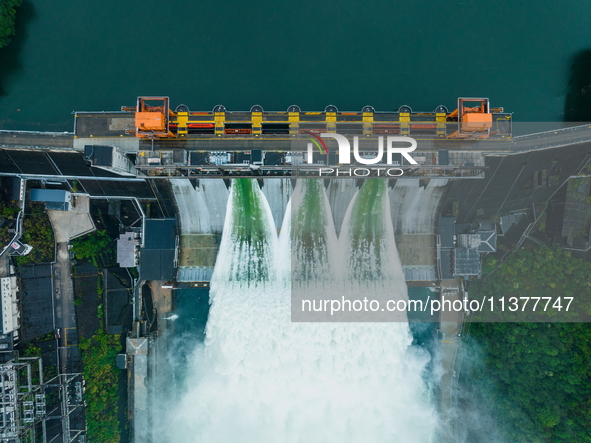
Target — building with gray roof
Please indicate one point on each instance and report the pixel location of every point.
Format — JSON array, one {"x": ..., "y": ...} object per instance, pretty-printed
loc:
[
  {"x": 482, "y": 241},
  {"x": 158, "y": 255},
  {"x": 127, "y": 250},
  {"x": 56, "y": 199},
  {"x": 466, "y": 261}
]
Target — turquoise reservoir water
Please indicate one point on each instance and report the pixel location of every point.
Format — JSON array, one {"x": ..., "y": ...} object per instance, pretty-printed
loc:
[
  {"x": 192, "y": 308},
  {"x": 101, "y": 55}
]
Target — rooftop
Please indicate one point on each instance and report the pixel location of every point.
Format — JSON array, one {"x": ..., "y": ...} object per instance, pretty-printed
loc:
[
  {"x": 126, "y": 250},
  {"x": 482, "y": 241},
  {"x": 446, "y": 231},
  {"x": 466, "y": 261},
  {"x": 99, "y": 155},
  {"x": 56, "y": 199},
  {"x": 157, "y": 264},
  {"x": 157, "y": 260},
  {"x": 160, "y": 233},
  {"x": 488, "y": 241}
]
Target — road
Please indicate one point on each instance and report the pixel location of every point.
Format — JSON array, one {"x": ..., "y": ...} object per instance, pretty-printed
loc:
[
  {"x": 542, "y": 140},
  {"x": 552, "y": 139},
  {"x": 33, "y": 139},
  {"x": 65, "y": 314},
  {"x": 450, "y": 328},
  {"x": 67, "y": 225}
]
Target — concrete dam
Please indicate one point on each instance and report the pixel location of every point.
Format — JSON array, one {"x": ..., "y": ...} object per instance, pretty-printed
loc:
[{"x": 202, "y": 208}]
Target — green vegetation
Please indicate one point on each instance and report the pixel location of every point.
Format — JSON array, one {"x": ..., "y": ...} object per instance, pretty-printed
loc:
[
  {"x": 7, "y": 16},
  {"x": 39, "y": 234},
  {"x": 90, "y": 246},
  {"x": 540, "y": 377},
  {"x": 45, "y": 337},
  {"x": 9, "y": 212},
  {"x": 101, "y": 375},
  {"x": 133, "y": 272},
  {"x": 99, "y": 285},
  {"x": 541, "y": 272},
  {"x": 48, "y": 373},
  {"x": 31, "y": 350},
  {"x": 536, "y": 376}
]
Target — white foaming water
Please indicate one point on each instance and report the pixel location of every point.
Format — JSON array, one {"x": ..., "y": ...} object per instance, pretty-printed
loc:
[{"x": 261, "y": 378}]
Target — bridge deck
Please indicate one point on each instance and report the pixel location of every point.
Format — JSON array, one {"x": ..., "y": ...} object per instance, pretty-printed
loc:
[{"x": 427, "y": 153}]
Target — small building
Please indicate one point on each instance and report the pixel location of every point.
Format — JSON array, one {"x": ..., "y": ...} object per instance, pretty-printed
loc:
[
  {"x": 121, "y": 361},
  {"x": 109, "y": 158},
  {"x": 158, "y": 254},
  {"x": 466, "y": 261},
  {"x": 482, "y": 241},
  {"x": 17, "y": 248},
  {"x": 445, "y": 229},
  {"x": 445, "y": 267},
  {"x": 460, "y": 246},
  {"x": 506, "y": 222},
  {"x": 10, "y": 311},
  {"x": 54, "y": 199},
  {"x": 488, "y": 241},
  {"x": 17, "y": 192},
  {"x": 127, "y": 250},
  {"x": 36, "y": 300},
  {"x": 117, "y": 300},
  {"x": 443, "y": 157}
]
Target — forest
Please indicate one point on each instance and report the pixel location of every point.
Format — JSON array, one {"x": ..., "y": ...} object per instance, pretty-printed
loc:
[{"x": 535, "y": 377}]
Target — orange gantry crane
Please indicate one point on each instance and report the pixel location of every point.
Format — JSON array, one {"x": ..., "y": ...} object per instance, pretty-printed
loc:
[
  {"x": 473, "y": 121},
  {"x": 152, "y": 117}
]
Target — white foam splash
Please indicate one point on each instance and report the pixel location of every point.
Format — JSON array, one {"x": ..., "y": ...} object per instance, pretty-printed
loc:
[{"x": 261, "y": 378}]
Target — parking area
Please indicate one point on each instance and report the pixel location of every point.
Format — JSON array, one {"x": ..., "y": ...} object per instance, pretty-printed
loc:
[{"x": 68, "y": 225}]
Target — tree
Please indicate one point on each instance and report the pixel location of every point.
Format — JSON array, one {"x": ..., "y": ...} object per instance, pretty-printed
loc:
[
  {"x": 536, "y": 377},
  {"x": 39, "y": 234},
  {"x": 7, "y": 16},
  {"x": 90, "y": 246},
  {"x": 102, "y": 377}
]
